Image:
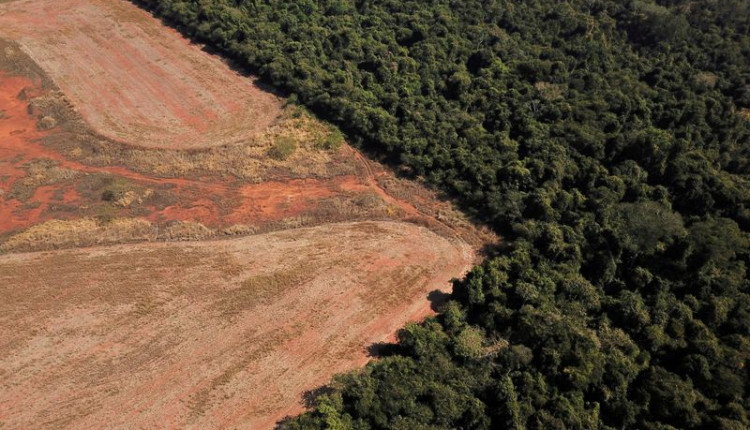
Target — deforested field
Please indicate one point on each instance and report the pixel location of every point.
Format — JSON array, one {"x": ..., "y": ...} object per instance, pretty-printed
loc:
[
  {"x": 215, "y": 334},
  {"x": 178, "y": 248},
  {"x": 134, "y": 80}
]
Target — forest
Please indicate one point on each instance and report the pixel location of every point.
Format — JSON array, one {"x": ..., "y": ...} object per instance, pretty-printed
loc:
[{"x": 607, "y": 141}]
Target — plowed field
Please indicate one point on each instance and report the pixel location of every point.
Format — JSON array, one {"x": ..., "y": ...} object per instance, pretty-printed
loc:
[
  {"x": 222, "y": 334},
  {"x": 133, "y": 79}
]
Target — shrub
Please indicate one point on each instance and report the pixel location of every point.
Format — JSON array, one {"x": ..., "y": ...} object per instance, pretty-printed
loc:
[
  {"x": 47, "y": 123},
  {"x": 283, "y": 148},
  {"x": 330, "y": 142}
]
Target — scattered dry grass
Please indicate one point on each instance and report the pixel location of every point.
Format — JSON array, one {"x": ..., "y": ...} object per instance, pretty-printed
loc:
[
  {"x": 57, "y": 234},
  {"x": 186, "y": 230},
  {"x": 116, "y": 190},
  {"x": 429, "y": 204},
  {"x": 354, "y": 206},
  {"x": 38, "y": 173},
  {"x": 240, "y": 230},
  {"x": 255, "y": 160},
  {"x": 50, "y": 109}
]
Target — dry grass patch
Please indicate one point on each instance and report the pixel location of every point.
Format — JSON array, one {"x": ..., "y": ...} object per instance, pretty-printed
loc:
[
  {"x": 186, "y": 230},
  {"x": 57, "y": 234},
  {"x": 38, "y": 173},
  {"x": 50, "y": 109},
  {"x": 283, "y": 148}
]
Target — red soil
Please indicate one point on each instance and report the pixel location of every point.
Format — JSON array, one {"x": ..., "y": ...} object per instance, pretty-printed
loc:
[
  {"x": 17, "y": 128},
  {"x": 196, "y": 200},
  {"x": 211, "y": 202},
  {"x": 135, "y": 80}
]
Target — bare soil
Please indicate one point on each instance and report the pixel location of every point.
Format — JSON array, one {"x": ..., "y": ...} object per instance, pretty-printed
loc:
[
  {"x": 134, "y": 80},
  {"x": 115, "y": 130},
  {"x": 218, "y": 334}
]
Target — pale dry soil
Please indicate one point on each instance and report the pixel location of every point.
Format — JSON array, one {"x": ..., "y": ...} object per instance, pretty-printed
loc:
[
  {"x": 206, "y": 335},
  {"x": 135, "y": 80}
]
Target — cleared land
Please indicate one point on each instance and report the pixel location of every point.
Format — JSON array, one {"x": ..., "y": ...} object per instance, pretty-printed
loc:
[
  {"x": 134, "y": 80},
  {"x": 220, "y": 334},
  {"x": 211, "y": 334}
]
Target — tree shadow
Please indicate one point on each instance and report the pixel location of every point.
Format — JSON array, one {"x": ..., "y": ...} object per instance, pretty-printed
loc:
[
  {"x": 382, "y": 349},
  {"x": 310, "y": 397},
  {"x": 283, "y": 423},
  {"x": 438, "y": 299}
]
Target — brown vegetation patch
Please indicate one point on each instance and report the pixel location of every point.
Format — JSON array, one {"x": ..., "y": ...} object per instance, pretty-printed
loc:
[
  {"x": 56, "y": 234},
  {"x": 39, "y": 172},
  {"x": 220, "y": 334}
]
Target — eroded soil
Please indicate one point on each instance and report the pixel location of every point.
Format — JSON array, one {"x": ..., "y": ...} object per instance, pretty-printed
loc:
[{"x": 38, "y": 184}]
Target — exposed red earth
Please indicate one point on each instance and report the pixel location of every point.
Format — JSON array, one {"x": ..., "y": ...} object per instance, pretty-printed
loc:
[{"x": 209, "y": 201}]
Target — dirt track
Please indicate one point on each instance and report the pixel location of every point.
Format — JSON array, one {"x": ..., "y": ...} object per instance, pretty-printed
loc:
[
  {"x": 224, "y": 334},
  {"x": 135, "y": 80}
]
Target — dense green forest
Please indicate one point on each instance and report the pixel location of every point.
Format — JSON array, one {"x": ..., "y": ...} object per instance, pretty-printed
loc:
[{"x": 607, "y": 141}]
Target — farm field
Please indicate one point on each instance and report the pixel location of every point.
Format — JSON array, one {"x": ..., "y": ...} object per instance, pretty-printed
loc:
[
  {"x": 134, "y": 80},
  {"x": 161, "y": 261},
  {"x": 216, "y": 334}
]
